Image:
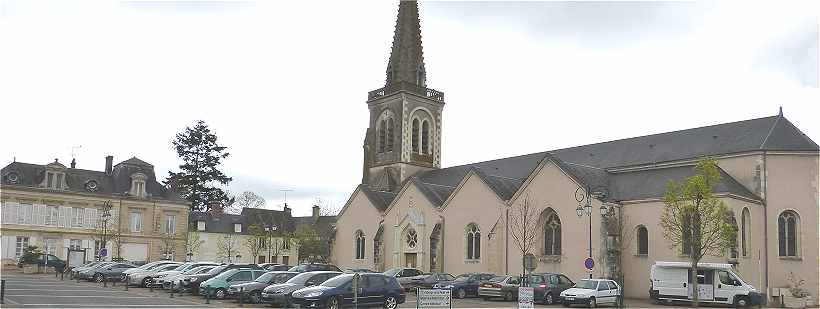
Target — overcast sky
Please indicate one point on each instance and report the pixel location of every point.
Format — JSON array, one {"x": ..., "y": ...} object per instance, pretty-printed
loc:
[{"x": 283, "y": 83}]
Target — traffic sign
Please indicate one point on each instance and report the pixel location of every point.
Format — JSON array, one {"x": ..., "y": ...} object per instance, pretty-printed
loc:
[
  {"x": 103, "y": 252},
  {"x": 526, "y": 297},
  {"x": 529, "y": 262},
  {"x": 589, "y": 263}
]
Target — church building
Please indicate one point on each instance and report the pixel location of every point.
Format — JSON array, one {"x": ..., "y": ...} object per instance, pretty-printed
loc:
[{"x": 410, "y": 212}]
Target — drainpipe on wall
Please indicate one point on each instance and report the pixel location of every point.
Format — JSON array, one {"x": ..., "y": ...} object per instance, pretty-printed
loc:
[
  {"x": 506, "y": 241},
  {"x": 441, "y": 258},
  {"x": 766, "y": 227}
]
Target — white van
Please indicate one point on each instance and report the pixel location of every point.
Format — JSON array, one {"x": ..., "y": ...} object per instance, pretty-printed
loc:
[{"x": 717, "y": 283}]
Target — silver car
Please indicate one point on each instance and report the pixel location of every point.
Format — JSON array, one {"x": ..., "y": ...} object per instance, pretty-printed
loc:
[{"x": 146, "y": 277}]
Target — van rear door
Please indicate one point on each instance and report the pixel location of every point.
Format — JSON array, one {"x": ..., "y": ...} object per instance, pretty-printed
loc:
[{"x": 670, "y": 282}]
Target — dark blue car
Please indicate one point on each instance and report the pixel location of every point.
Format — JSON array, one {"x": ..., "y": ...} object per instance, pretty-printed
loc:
[
  {"x": 373, "y": 290},
  {"x": 465, "y": 285}
]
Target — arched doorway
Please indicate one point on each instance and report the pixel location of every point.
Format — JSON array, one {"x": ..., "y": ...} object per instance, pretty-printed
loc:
[{"x": 435, "y": 238}]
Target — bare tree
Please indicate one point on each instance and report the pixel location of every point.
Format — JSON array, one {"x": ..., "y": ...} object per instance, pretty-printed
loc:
[
  {"x": 523, "y": 221},
  {"x": 255, "y": 243},
  {"x": 247, "y": 199},
  {"x": 107, "y": 230},
  {"x": 193, "y": 242},
  {"x": 168, "y": 245},
  {"x": 227, "y": 246},
  {"x": 695, "y": 221}
]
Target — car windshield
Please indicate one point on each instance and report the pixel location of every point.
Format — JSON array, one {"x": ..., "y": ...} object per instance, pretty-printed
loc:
[
  {"x": 216, "y": 270},
  {"x": 587, "y": 284},
  {"x": 300, "y": 278},
  {"x": 204, "y": 269},
  {"x": 337, "y": 281},
  {"x": 462, "y": 278},
  {"x": 228, "y": 273},
  {"x": 498, "y": 279},
  {"x": 283, "y": 277},
  {"x": 194, "y": 270},
  {"x": 392, "y": 272},
  {"x": 265, "y": 277},
  {"x": 182, "y": 267},
  {"x": 157, "y": 266},
  {"x": 448, "y": 277}
]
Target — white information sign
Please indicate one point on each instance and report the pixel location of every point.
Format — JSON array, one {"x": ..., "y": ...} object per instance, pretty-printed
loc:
[
  {"x": 435, "y": 298},
  {"x": 526, "y": 296}
]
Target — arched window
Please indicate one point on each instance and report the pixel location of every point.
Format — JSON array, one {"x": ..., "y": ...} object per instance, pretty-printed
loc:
[
  {"x": 425, "y": 137},
  {"x": 552, "y": 234},
  {"x": 360, "y": 244},
  {"x": 473, "y": 242},
  {"x": 415, "y": 137},
  {"x": 745, "y": 219},
  {"x": 788, "y": 230},
  {"x": 643, "y": 240},
  {"x": 412, "y": 239},
  {"x": 390, "y": 134},
  {"x": 382, "y": 136}
]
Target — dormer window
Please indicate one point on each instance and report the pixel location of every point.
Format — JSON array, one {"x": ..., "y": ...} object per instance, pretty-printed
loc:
[
  {"x": 200, "y": 226},
  {"x": 91, "y": 186},
  {"x": 12, "y": 178},
  {"x": 138, "y": 185},
  {"x": 54, "y": 180}
]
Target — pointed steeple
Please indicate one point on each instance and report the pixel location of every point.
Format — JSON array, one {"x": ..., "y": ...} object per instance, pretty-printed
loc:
[{"x": 406, "y": 58}]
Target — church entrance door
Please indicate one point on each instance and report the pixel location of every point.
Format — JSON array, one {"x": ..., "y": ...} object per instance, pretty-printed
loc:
[{"x": 410, "y": 260}]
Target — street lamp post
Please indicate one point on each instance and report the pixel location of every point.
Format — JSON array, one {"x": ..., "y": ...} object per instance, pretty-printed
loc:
[
  {"x": 270, "y": 228},
  {"x": 584, "y": 197}
]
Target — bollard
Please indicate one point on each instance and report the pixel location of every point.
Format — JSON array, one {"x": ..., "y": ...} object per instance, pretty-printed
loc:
[
  {"x": 105, "y": 282},
  {"x": 180, "y": 287},
  {"x": 207, "y": 294},
  {"x": 150, "y": 285},
  {"x": 78, "y": 277},
  {"x": 172, "y": 292},
  {"x": 127, "y": 282},
  {"x": 241, "y": 292},
  {"x": 2, "y": 291},
  {"x": 62, "y": 276}
]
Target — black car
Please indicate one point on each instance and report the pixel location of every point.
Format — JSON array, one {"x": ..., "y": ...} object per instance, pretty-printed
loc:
[
  {"x": 465, "y": 285},
  {"x": 374, "y": 290},
  {"x": 314, "y": 267},
  {"x": 191, "y": 282},
  {"x": 548, "y": 286},
  {"x": 427, "y": 281}
]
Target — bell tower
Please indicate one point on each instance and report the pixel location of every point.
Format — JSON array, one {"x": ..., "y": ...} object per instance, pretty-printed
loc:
[{"x": 404, "y": 135}]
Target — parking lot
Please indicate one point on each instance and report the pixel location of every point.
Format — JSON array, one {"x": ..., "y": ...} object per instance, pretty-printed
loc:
[{"x": 41, "y": 290}]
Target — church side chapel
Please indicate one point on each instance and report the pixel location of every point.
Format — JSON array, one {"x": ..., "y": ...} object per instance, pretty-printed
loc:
[{"x": 410, "y": 212}]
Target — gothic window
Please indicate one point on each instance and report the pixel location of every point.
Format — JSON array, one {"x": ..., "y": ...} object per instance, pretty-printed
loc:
[
  {"x": 415, "y": 137},
  {"x": 787, "y": 233},
  {"x": 473, "y": 242},
  {"x": 552, "y": 235},
  {"x": 360, "y": 244},
  {"x": 390, "y": 134},
  {"x": 745, "y": 219},
  {"x": 425, "y": 137},
  {"x": 382, "y": 136},
  {"x": 643, "y": 240},
  {"x": 411, "y": 239}
]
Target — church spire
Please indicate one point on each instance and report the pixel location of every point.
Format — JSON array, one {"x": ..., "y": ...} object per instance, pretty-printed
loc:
[{"x": 406, "y": 58}]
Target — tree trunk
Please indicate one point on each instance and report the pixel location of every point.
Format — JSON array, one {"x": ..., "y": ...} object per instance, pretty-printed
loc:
[{"x": 695, "y": 296}]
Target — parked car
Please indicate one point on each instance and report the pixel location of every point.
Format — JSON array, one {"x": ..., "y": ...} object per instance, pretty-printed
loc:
[
  {"x": 280, "y": 267},
  {"x": 314, "y": 267},
  {"x": 110, "y": 271},
  {"x": 359, "y": 270},
  {"x": 173, "y": 282},
  {"x": 147, "y": 266},
  {"x": 465, "y": 285},
  {"x": 500, "y": 286},
  {"x": 669, "y": 281},
  {"x": 592, "y": 292},
  {"x": 161, "y": 277},
  {"x": 253, "y": 289},
  {"x": 48, "y": 260},
  {"x": 378, "y": 289},
  {"x": 547, "y": 286},
  {"x": 145, "y": 277},
  {"x": 218, "y": 285},
  {"x": 88, "y": 272},
  {"x": 405, "y": 276},
  {"x": 192, "y": 282},
  {"x": 76, "y": 270},
  {"x": 280, "y": 294},
  {"x": 427, "y": 281}
]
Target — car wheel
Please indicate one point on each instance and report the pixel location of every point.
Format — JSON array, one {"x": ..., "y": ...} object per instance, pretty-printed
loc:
[
  {"x": 219, "y": 293},
  {"x": 592, "y": 302},
  {"x": 741, "y": 301},
  {"x": 333, "y": 303},
  {"x": 548, "y": 299},
  {"x": 98, "y": 278},
  {"x": 146, "y": 282},
  {"x": 256, "y": 297},
  {"x": 390, "y": 302},
  {"x": 508, "y": 296},
  {"x": 461, "y": 293}
]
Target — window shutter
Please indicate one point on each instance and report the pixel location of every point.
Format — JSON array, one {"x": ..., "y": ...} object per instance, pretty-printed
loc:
[
  {"x": 62, "y": 217},
  {"x": 4, "y": 210},
  {"x": 41, "y": 214},
  {"x": 12, "y": 212},
  {"x": 8, "y": 243},
  {"x": 91, "y": 218}
]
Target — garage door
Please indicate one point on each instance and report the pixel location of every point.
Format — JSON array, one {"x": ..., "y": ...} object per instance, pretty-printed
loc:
[{"x": 135, "y": 252}]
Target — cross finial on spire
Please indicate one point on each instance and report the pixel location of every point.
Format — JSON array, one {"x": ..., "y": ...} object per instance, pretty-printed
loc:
[{"x": 406, "y": 58}]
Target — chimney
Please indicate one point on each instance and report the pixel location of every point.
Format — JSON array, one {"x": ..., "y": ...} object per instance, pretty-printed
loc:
[
  {"x": 73, "y": 163},
  {"x": 315, "y": 213},
  {"x": 109, "y": 163},
  {"x": 287, "y": 210}
]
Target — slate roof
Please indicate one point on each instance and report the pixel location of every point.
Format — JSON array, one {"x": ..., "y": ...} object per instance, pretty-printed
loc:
[
  {"x": 598, "y": 164},
  {"x": 380, "y": 199},
  {"x": 119, "y": 182},
  {"x": 224, "y": 223}
]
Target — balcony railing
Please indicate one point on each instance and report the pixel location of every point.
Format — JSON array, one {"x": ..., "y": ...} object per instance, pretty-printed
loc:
[{"x": 409, "y": 87}]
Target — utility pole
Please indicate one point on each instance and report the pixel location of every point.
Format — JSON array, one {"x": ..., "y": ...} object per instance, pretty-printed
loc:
[{"x": 285, "y": 191}]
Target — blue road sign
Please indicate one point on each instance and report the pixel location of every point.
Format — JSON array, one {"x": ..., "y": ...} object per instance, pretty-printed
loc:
[
  {"x": 103, "y": 252},
  {"x": 589, "y": 263}
]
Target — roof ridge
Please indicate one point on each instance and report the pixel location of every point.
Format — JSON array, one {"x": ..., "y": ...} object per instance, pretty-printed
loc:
[
  {"x": 584, "y": 165},
  {"x": 434, "y": 184}
]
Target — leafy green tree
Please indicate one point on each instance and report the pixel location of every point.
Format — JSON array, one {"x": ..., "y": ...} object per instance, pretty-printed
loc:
[
  {"x": 695, "y": 221},
  {"x": 201, "y": 157},
  {"x": 311, "y": 247},
  {"x": 31, "y": 254}
]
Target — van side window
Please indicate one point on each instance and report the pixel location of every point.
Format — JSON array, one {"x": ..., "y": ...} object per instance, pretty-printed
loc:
[{"x": 726, "y": 278}]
